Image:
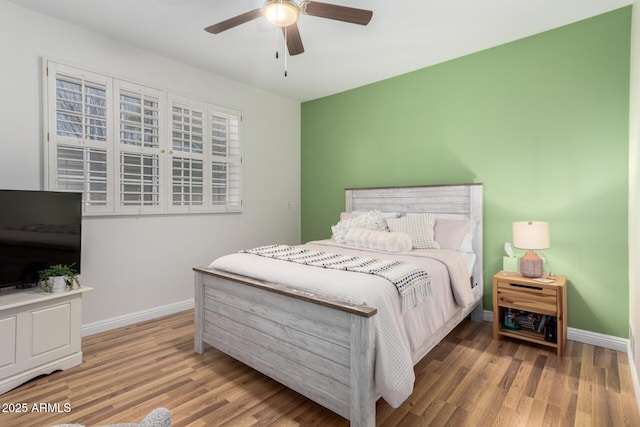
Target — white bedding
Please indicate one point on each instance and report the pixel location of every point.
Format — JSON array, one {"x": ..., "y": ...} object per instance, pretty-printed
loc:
[{"x": 398, "y": 335}]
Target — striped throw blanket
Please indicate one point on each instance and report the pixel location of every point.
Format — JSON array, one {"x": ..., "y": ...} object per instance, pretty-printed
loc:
[{"x": 412, "y": 282}]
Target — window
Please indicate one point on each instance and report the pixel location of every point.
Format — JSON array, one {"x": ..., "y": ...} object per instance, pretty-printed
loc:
[
  {"x": 78, "y": 159},
  {"x": 133, "y": 149},
  {"x": 188, "y": 154},
  {"x": 225, "y": 159},
  {"x": 139, "y": 148}
]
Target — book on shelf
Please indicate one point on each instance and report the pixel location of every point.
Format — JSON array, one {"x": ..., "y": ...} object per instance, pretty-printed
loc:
[{"x": 543, "y": 321}]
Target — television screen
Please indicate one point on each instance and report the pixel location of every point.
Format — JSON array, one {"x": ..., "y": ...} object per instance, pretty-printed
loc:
[{"x": 38, "y": 229}]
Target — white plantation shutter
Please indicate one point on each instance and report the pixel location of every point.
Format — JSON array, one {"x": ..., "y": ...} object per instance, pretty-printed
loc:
[
  {"x": 139, "y": 148},
  {"x": 187, "y": 156},
  {"x": 79, "y": 131},
  {"x": 133, "y": 149},
  {"x": 83, "y": 169},
  {"x": 225, "y": 159},
  {"x": 188, "y": 181},
  {"x": 81, "y": 108},
  {"x": 139, "y": 180}
]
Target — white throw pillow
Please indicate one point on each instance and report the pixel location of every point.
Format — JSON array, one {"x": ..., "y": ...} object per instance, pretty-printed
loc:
[
  {"x": 467, "y": 242},
  {"x": 380, "y": 240},
  {"x": 418, "y": 227},
  {"x": 371, "y": 220}
]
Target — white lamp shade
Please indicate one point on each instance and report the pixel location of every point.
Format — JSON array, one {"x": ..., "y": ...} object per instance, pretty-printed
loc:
[
  {"x": 281, "y": 13},
  {"x": 531, "y": 235}
]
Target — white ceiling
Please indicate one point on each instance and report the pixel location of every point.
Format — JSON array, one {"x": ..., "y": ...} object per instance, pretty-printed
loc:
[{"x": 403, "y": 35}]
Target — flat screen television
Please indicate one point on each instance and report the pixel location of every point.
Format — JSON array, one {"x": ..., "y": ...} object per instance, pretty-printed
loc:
[{"x": 38, "y": 229}]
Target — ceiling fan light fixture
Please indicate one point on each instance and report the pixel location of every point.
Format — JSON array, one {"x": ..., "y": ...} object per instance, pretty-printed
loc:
[{"x": 281, "y": 13}]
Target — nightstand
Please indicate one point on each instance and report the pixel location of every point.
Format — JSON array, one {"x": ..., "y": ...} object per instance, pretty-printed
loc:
[{"x": 536, "y": 305}]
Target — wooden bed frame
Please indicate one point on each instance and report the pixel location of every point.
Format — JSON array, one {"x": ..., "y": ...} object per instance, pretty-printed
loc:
[{"x": 319, "y": 347}]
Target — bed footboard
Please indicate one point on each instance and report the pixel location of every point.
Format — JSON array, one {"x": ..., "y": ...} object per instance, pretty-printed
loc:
[{"x": 321, "y": 348}]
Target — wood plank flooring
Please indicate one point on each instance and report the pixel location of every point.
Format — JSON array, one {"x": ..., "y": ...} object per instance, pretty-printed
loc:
[{"x": 467, "y": 380}]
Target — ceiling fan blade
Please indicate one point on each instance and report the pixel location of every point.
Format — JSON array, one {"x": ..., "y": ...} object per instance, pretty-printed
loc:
[
  {"x": 339, "y": 13},
  {"x": 294, "y": 41},
  {"x": 235, "y": 21}
]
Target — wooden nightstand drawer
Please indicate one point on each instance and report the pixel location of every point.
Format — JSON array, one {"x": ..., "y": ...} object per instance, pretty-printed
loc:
[{"x": 528, "y": 298}]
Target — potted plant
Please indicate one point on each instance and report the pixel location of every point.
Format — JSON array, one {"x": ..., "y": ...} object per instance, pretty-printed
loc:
[{"x": 58, "y": 278}]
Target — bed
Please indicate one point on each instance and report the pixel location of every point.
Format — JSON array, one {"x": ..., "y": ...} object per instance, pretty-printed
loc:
[{"x": 331, "y": 348}]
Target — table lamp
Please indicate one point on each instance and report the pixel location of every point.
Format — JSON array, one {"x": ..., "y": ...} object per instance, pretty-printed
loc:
[{"x": 531, "y": 235}]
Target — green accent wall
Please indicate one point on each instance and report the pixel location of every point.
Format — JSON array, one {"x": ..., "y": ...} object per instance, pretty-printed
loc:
[{"x": 542, "y": 122}]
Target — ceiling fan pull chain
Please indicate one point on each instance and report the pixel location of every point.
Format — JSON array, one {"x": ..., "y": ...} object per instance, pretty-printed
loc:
[
  {"x": 285, "y": 52},
  {"x": 277, "y": 41}
]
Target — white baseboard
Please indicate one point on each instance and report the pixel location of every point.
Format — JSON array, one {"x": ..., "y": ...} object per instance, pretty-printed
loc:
[
  {"x": 601, "y": 340},
  {"x": 586, "y": 337},
  {"x": 140, "y": 316}
]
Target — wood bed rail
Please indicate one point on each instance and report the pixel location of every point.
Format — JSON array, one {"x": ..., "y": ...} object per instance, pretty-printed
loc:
[{"x": 358, "y": 310}]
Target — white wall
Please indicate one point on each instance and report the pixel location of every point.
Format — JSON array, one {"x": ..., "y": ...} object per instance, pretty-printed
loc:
[
  {"x": 634, "y": 195},
  {"x": 136, "y": 264}
]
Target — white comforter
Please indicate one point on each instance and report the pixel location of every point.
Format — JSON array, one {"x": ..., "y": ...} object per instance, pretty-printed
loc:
[{"x": 397, "y": 334}]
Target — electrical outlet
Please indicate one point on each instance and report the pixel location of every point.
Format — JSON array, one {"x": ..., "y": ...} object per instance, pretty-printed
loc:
[{"x": 288, "y": 204}]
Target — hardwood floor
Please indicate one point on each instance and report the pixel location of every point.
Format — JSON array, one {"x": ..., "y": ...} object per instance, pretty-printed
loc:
[{"x": 468, "y": 379}]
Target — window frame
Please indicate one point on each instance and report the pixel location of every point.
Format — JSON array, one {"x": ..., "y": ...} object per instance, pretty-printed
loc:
[{"x": 149, "y": 186}]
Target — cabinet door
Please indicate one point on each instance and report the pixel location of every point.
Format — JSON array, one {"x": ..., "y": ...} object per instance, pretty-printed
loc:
[
  {"x": 50, "y": 327},
  {"x": 40, "y": 333},
  {"x": 8, "y": 327}
]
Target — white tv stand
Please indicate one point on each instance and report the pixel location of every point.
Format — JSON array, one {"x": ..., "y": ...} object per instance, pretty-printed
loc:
[{"x": 39, "y": 333}]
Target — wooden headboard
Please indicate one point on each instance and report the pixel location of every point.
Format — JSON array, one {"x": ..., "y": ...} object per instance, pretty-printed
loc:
[{"x": 460, "y": 199}]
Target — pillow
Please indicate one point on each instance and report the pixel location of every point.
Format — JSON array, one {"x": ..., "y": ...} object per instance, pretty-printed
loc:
[
  {"x": 371, "y": 220},
  {"x": 418, "y": 227},
  {"x": 467, "y": 242},
  {"x": 450, "y": 233},
  {"x": 380, "y": 240}
]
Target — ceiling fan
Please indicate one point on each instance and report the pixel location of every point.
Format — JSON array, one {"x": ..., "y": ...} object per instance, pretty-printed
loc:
[{"x": 285, "y": 13}]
